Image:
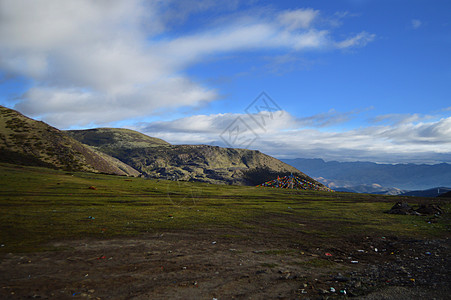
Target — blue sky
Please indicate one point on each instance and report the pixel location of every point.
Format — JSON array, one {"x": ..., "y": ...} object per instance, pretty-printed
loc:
[{"x": 351, "y": 79}]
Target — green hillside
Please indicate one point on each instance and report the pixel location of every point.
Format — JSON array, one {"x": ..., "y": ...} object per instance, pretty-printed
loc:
[
  {"x": 126, "y": 152},
  {"x": 29, "y": 142},
  {"x": 109, "y": 140},
  {"x": 158, "y": 159}
]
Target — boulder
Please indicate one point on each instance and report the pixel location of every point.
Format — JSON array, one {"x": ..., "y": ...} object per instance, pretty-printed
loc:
[{"x": 402, "y": 208}]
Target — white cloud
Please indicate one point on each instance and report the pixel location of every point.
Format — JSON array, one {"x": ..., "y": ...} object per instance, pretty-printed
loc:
[
  {"x": 330, "y": 118},
  {"x": 287, "y": 136},
  {"x": 300, "y": 18},
  {"x": 67, "y": 107},
  {"x": 90, "y": 61},
  {"x": 399, "y": 119},
  {"x": 359, "y": 40},
  {"x": 416, "y": 23},
  {"x": 97, "y": 62},
  {"x": 424, "y": 134}
]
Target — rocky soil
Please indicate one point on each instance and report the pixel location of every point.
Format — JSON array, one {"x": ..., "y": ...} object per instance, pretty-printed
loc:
[{"x": 227, "y": 265}]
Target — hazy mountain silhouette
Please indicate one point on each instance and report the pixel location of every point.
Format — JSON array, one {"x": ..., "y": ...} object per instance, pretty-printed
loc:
[{"x": 352, "y": 174}]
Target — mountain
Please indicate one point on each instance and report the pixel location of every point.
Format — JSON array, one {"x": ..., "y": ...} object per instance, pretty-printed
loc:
[
  {"x": 351, "y": 174},
  {"x": 156, "y": 158},
  {"x": 127, "y": 152},
  {"x": 370, "y": 189},
  {"x": 29, "y": 142},
  {"x": 435, "y": 192},
  {"x": 445, "y": 195}
]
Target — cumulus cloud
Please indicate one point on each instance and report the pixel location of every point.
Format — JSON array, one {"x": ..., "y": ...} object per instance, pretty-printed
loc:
[
  {"x": 289, "y": 137},
  {"x": 90, "y": 61},
  {"x": 97, "y": 62},
  {"x": 424, "y": 134}
]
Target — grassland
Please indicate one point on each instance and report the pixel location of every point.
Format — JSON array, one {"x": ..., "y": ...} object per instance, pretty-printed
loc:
[
  {"x": 41, "y": 205},
  {"x": 84, "y": 235}
]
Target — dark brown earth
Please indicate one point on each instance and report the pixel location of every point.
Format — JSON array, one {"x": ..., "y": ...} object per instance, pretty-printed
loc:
[{"x": 225, "y": 264}]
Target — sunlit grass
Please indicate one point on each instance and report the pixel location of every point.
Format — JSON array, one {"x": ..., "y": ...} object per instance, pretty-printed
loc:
[{"x": 41, "y": 205}]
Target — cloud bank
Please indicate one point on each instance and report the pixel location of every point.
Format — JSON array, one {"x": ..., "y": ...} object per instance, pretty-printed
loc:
[
  {"x": 388, "y": 139},
  {"x": 99, "y": 62}
]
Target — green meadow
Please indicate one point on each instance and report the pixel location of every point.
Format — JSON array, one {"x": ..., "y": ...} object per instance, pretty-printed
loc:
[{"x": 39, "y": 206}]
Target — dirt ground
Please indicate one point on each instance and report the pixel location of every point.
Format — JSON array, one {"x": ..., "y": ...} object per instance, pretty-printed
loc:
[{"x": 221, "y": 265}]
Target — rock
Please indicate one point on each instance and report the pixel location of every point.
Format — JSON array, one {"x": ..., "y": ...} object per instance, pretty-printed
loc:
[
  {"x": 429, "y": 209},
  {"x": 340, "y": 278},
  {"x": 402, "y": 208}
]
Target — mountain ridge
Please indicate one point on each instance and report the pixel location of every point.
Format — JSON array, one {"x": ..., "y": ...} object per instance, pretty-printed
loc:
[
  {"x": 433, "y": 192},
  {"x": 352, "y": 174},
  {"x": 156, "y": 158},
  {"x": 126, "y": 152}
]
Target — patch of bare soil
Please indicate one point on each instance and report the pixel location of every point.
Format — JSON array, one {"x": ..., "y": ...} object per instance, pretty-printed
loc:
[{"x": 206, "y": 265}]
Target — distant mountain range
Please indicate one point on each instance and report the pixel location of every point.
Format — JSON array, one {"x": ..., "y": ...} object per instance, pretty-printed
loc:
[
  {"x": 435, "y": 192},
  {"x": 369, "y": 189},
  {"x": 127, "y": 152},
  {"x": 368, "y": 177}
]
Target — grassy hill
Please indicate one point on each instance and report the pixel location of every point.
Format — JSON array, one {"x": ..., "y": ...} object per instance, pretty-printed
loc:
[
  {"x": 159, "y": 159},
  {"x": 126, "y": 152},
  {"x": 110, "y": 140},
  {"x": 28, "y": 142}
]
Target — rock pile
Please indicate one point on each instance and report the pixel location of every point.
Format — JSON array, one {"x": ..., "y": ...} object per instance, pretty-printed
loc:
[{"x": 402, "y": 208}]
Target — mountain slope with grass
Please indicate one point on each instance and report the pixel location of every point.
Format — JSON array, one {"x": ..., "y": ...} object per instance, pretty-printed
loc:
[
  {"x": 111, "y": 140},
  {"x": 158, "y": 159},
  {"x": 25, "y": 141}
]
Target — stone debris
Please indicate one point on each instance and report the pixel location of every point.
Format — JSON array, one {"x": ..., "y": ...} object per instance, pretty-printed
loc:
[{"x": 402, "y": 208}]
